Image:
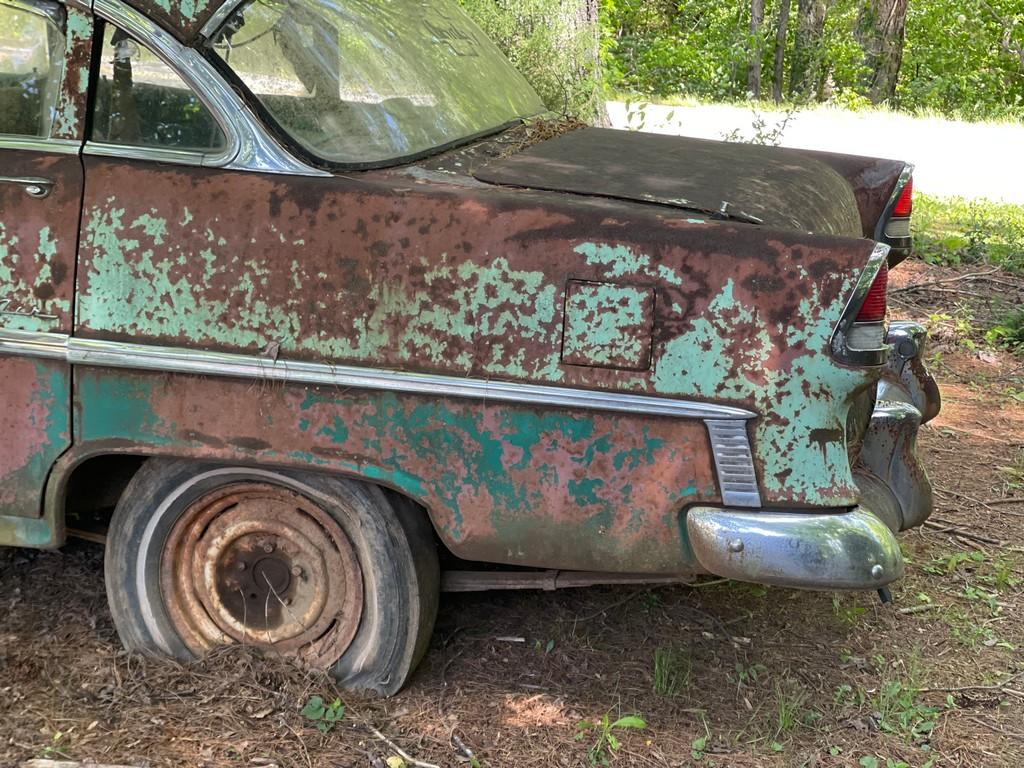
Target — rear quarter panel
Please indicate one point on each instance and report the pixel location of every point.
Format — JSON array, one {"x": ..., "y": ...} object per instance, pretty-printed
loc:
[{"x": 382, "y": 271}]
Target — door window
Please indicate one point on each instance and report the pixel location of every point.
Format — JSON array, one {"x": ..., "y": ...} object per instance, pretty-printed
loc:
[
  {"x": 142, "y": 102},
  {"x": 31, "y": 64}
]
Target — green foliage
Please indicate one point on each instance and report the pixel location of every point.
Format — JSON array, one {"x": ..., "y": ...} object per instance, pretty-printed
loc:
[
  {"x": 326, "y": 716},
  {"x": 958, "y": 58},
  {"x": 542, "y": 41},
  {"x": 955, "y": 231},
  {"x": 961, "y": 57},
  {"x": 606, "y": 741}
]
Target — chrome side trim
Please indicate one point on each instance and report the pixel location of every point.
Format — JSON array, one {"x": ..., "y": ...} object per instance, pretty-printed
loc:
[
  {"x": 734, "y": 463},
  {"x": 39, "y": 144},
  {"x": 841, "y": 349},
  {"x": 51, "y": 346},
  {"x": 847, "y": 549},
  {"x": 249, "y": 146},
  {"x": 113, "y": 354}
]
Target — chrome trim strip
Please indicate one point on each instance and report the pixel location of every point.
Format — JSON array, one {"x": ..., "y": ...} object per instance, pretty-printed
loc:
[
  {"x": 734, "y": 463},
  {"x": 839, "y": 344},
  {"x": 50, "y": 346},
  {"x": 114, "y": 354},
  {"x": 213, "y": 24},
  {"x": 250, "y": 147},
  {"x": 137, "y": 152},
  {"x": 39, "y": 144}
]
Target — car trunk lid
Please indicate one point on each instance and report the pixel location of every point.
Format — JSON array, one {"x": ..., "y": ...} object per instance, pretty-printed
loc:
[{"x": 742, "y": 182}]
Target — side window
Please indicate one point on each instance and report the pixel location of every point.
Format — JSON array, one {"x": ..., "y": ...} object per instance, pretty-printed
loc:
[
  {"x": 31, "y": 64},
  {"x": 142, "y": 102}
]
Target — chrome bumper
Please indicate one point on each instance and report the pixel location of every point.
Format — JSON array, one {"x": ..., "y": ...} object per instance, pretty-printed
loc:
[{"x": 850, "y": 550}]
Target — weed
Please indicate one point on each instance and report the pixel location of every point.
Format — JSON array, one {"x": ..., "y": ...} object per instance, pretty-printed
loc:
[
  {"x": 1013, "y": 474},
  {"x": 847, "y": 612},
  {"x": 606, "y": 742},
  {"x": 763, "y": 133},
  {"x": 55, "y": 748},
  {"x": 790, "y": 701},
  {"x": 896, "y": 704},
  {"x": 672, "y": 668},
  {"x": 326, "y": 716},
  {"x": 746, "y": 675},
  {"x": 1008, "y": 332}
]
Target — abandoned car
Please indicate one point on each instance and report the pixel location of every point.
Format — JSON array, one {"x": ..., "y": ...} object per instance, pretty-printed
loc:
[{"x": 311, "y": 293}]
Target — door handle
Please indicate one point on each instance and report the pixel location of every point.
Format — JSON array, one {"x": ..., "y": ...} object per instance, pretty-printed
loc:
[{"x": 33, "y": 185}]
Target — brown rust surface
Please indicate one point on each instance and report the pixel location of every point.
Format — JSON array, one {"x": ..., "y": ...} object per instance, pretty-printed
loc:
[
  {"x": 182, "y": 18},
  {"x": 565, "y": 489},
  {"x": 254, "y": 563},
  {"x": 384, "y": 270}
]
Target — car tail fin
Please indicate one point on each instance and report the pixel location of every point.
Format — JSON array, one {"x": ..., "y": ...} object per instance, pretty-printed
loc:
[{"x": 894, "y": 226}]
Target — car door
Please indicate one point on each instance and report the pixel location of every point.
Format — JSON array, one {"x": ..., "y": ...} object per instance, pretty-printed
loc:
[{"x": 44, "y": 75}]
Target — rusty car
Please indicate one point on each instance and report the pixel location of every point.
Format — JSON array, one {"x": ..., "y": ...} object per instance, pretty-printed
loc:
[{"x": 303, "y": 298}]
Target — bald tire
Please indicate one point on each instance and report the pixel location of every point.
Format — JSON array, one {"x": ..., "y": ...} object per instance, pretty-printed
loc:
[{"x": 392, "y": 539}]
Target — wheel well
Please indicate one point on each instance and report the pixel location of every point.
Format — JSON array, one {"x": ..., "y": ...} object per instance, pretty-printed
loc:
[{"x": 95, "y": 486}]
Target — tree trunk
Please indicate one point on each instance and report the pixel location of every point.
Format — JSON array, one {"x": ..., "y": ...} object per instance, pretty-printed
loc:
[
  {"x": 581, "y": 23},
  {"x": 781, "y": 32},
  {"x": 806, "y": 64},
  {"x": 882, "y": 27},
  {"x": 754, "y": 66}
]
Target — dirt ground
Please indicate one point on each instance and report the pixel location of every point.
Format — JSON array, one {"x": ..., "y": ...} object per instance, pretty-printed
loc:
[{"x": 722, "y": 674}]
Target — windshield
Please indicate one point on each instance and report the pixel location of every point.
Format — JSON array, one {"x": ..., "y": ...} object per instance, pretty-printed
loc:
[{"x": 367, "y": 81}]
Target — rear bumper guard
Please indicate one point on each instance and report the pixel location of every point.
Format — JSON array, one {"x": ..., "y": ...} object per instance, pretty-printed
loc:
[
  {"x": 889, "y": 472},
  {"x": 846, "y": 550}
]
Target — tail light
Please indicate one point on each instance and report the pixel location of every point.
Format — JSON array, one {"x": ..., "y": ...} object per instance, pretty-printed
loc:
[
  {"x": 897, "y": 226},
  {"x": 905, "y": 202},
  {"x": 873, "y": 308},
  {"x": 859, "y": 339}
]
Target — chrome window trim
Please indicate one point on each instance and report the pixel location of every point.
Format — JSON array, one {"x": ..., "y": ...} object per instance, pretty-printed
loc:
[
  {"x": 840, "y": 349},
  {"x": 249, "y": 146},
  {"x": 39, "y": 144},
  {"x": 153, "y": 154},
  {"x": 214, "y": 23},
  {"x": 146, "y": 357}
]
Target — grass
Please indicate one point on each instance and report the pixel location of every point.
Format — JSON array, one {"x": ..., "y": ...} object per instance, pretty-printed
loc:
[
  {"x": 956, "y": 231},
  {"x": 672, "y": 669}
]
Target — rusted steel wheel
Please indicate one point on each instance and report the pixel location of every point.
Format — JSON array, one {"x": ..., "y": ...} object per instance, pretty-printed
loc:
[{"x": 339, "y": 574}]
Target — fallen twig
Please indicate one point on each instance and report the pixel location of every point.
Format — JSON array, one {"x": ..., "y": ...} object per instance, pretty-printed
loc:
[
  {"x": 960, "y": 533},
  {"x": 959, "y": 278},
  {"x": 993, "y": 687},
  {"x": 996, "y": 502},
  {"x": 399, "y": 751}
]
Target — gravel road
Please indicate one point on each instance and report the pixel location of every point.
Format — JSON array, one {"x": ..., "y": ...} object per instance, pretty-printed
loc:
[{"x": 952, "y": 158}]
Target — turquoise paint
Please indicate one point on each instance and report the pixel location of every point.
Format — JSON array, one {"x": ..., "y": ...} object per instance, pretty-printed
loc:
[
  {"x": 337, "y": 432},
  {"x": 31, "y": 533},
  {"x": 584, "y": 492},
  {"x": 119, "y": 407},
  {"x": 608, "y": 325}
]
